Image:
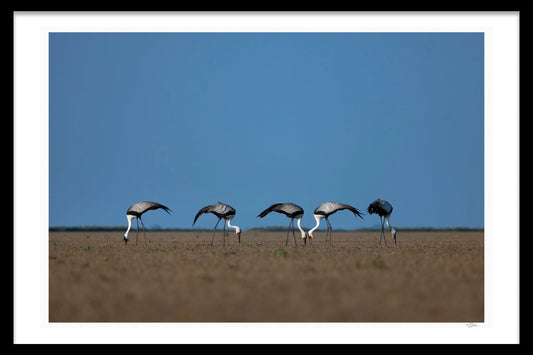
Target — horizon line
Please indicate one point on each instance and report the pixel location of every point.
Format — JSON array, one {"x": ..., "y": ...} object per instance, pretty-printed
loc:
[{"x": 257, "y": 229}]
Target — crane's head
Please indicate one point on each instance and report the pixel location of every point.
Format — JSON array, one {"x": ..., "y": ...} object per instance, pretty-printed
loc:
[
  {"x": 306, "y": 236},
  {"x": 130, "y": 218},
  {"x": 393, "y": 232},
  {"x": 238, "y": 234}
]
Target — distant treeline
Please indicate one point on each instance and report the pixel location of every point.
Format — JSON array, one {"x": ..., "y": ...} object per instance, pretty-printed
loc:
[
  {"x": 261, "y": 229},
  {"x": 367, "y": 229}
]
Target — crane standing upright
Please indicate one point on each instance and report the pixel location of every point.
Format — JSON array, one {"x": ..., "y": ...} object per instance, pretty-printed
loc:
[
  {"x": 290, "y": 210},
  {"x": 327, "y": 209},
  {"x": 136, "y": 211},
  {"x": 383, "y": 209},
  {"x": 222, "y": 211}
]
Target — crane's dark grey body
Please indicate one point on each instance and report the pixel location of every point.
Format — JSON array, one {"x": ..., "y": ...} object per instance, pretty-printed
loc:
[
  {"x": 290, "y": 210},
  {"x": 383, "y": 209},
  {"x": 139, "y": 208},
  {"x": 222, "y": 211},
  {"x": 380, "y": 207},
  {"x": 327, "y": 209},
  {"x": 136, "y": 211}
]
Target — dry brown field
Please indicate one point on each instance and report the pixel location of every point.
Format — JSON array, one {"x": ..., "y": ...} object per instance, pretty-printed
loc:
[{"x": 180, "y": 277}]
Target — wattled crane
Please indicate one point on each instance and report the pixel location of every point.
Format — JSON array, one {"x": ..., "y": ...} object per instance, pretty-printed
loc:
[
  {"x": 222, "y": 211},
  {"x": 327, "y": 209},
  {"x": 136, "y": 211},
  {"x": 383, "y": 209},
  {"x": 290, "y": 210}
]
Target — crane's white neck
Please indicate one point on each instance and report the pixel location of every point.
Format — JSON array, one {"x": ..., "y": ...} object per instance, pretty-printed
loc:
[
  {"x": 130, "y": 218},
  {"x": 388, "y": 223},
  {"x": 237, "y": 229},
  {"x": 392, "y": 229},
  {"x": 318, "y": 218},
  {"x": 298, "y": 221}
]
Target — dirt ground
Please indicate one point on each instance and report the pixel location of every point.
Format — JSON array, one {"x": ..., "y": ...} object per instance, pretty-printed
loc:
[{"x": 180, "y": 277}]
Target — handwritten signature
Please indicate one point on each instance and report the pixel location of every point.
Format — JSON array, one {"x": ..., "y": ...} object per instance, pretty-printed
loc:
[{"x": 471, "y": 325}]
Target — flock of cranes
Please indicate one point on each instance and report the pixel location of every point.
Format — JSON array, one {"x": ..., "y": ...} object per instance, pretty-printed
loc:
[{"x": 224, "y": 211}]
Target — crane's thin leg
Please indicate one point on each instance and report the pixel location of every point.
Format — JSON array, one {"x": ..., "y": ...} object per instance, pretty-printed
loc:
[
  {"x": 293, "y": 235},
  {"x": 214, "y": 231},
  {"x": 288, "y": 231},
  {"x": 224, "y": 234},
  {"x": 381, "y": 223},
  {"x": 380, "y": 230},
  {"x": 144, "y": 230},
  {"x": 328, "y": 231},
  {"x": 383, "y": 232},
  {"x": 137, "y": 235}
]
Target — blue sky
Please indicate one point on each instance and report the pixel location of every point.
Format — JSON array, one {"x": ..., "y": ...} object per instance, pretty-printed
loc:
[{"x": 252, "y": 119}]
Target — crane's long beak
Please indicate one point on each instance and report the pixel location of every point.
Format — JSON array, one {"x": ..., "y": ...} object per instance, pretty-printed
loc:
[
  {"x": 125, "y": 241},
  {"x": 239, "y": 236}
]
